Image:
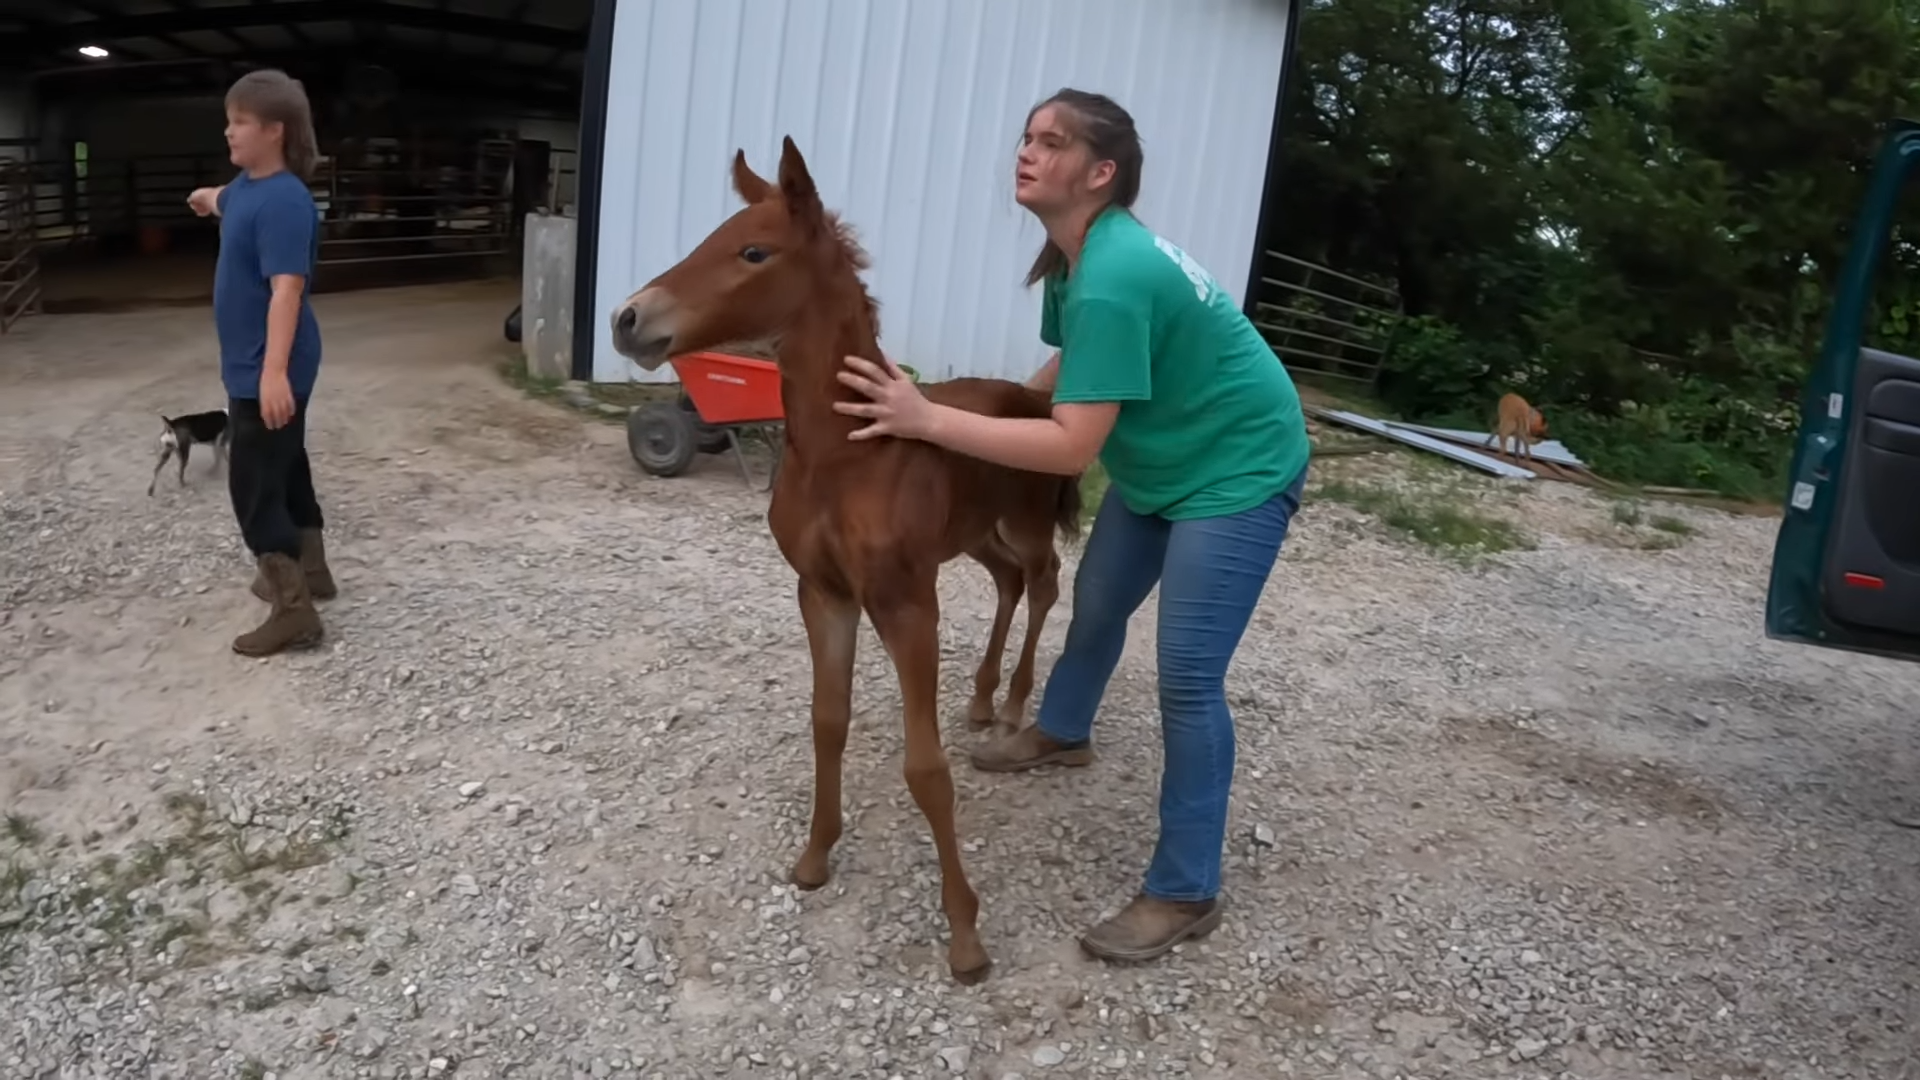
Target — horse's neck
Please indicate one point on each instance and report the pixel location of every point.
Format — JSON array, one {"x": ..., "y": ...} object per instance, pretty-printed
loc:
[{"x": 811, "y": 357}]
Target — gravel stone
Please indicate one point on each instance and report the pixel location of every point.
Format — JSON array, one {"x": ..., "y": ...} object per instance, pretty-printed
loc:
[{"x": 529, "y": 809}]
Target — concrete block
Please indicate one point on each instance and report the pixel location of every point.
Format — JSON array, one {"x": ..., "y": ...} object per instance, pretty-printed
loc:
[{"x": 546, "y": 295}]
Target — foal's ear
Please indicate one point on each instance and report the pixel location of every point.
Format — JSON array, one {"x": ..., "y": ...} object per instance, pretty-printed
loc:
[
  {"x": 747, "y": 182},
  {"x": 796, "y": 184}
]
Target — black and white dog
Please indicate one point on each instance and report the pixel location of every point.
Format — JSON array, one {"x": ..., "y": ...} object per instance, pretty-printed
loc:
[{"x": 183, "y": 432}]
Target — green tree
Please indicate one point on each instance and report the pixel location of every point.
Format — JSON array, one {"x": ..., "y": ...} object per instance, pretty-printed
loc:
[{"x": 1630, "y": 210}]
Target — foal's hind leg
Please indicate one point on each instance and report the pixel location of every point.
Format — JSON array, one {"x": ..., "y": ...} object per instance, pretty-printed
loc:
[
  {"x": 832, "y": 623},
  {"x": 1004, "y": 565},
  {"x": 907, "y": 617},
  {"x": 1041, "y": 570},
  {"x": 185, "y": 448}
]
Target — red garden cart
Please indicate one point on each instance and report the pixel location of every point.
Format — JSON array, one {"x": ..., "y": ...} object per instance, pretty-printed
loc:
[{"x": 719, "y": 395}]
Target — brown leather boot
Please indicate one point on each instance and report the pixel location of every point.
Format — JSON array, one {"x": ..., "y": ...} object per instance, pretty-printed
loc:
[
  {"x": 293, "y": 622},
  {"x": 1148, "y": 928},
  {"x": 313, "y": 562},
  {"x": 1029, "y": 749}
]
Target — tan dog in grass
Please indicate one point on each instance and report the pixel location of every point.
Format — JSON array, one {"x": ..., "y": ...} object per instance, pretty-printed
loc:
[{"x": 1521, "y": 422}]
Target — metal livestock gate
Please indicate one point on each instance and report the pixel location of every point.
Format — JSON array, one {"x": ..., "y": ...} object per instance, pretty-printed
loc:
[{"x": 19, "y": 259}]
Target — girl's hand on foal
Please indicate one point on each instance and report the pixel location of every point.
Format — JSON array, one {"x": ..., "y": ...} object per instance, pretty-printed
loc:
[{"x": 895, "y": 405}]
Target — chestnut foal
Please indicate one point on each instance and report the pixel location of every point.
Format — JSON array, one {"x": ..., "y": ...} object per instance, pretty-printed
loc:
[{"x": 866, "y": 525}]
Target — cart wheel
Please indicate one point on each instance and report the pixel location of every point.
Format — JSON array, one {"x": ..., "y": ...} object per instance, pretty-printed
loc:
[
  {"x": 706, "y": 438},
  {"x": 661, "y": 439}
]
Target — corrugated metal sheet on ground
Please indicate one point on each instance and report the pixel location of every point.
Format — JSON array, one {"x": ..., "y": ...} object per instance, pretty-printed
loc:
[
  {"x": 910, "y": 116},
  {"x": 1461, "y": 454},
  {"x": 1549, "y": 450}
]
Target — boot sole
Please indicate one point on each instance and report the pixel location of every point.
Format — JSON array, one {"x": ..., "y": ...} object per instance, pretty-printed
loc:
[
  {"x": 305, "y": 641},
  {"x": 1076, "y": 757},
  {"x": 1198, "y": 928}
]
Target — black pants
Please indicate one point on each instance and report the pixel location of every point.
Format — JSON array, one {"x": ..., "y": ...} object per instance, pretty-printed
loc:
[{"x": 270, "y": 480}]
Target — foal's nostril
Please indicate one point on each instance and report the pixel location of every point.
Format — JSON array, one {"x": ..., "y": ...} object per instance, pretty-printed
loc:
[{"x": 627, "y": 320}]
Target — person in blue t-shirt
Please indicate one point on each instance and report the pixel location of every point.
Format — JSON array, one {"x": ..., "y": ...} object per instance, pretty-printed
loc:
[{"x": 270, "y": 349}]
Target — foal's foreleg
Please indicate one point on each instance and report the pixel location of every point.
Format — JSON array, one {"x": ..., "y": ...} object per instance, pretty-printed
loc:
[
  {"x": 1004, "y": 565},
  {"x": 832, "y": 623},
  {"x": 908, "y": 621}
]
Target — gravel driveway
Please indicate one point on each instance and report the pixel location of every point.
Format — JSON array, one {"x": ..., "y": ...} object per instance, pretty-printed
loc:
[{"x": 1558, "y": 813}]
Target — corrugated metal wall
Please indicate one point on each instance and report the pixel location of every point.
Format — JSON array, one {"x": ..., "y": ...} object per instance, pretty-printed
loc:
[{"x": 909, "y": 115}]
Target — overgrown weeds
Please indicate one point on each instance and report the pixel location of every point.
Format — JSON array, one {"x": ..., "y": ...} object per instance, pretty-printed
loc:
[{"x": 1433, "y": 519}]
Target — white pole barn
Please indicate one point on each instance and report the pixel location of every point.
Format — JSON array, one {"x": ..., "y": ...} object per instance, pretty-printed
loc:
[{"x": 909, "y": 114}]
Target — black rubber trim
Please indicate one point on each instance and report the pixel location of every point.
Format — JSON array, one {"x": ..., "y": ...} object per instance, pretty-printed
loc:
[
  {"x": 598, "y": 66},
  {"x": 1276, "y": 151}
]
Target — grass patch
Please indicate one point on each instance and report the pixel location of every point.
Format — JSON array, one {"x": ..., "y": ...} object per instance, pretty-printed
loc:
[
  {"x": 1673, "y": 526},
  {"x": 1429, "y": 519},
  {"x": 622, "y": 396},
  {"x": 21, "y": 830},
  {"x": 1669, "y": 532},
  {"x": 629, "y": 395},
  {"x": 1647, "y": 450},
  {"x": 1343, "y": 394},
  {"x": 513, "y": 369},
  {"x": 112, "y": 892}
]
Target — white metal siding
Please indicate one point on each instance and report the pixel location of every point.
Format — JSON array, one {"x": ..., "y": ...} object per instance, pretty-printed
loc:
[{"x": 909, "y": 115}]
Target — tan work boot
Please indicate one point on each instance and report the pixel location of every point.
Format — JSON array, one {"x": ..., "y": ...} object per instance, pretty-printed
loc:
[
  {"x": 293, "y": 622},
  {"x": 313, "y": 562},
  {"x": 1029, "y": 749},
  {"x": 1148, "y": 928}
]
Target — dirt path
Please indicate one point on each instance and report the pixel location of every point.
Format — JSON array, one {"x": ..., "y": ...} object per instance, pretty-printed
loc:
[{"x": 1560, "y": 813}]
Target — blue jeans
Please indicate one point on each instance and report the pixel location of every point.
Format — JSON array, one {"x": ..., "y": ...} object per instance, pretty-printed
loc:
[{"x": 1210, "y": 572}]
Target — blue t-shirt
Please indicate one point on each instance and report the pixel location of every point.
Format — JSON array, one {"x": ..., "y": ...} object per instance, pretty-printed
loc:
[{"x": 268, "y": 226}]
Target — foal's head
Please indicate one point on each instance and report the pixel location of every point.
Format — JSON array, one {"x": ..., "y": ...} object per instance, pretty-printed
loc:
[{"x": 749, "y": 279}]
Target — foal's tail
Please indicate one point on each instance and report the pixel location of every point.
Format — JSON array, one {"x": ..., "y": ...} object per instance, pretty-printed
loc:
[{"x": 1067, "y": 507}]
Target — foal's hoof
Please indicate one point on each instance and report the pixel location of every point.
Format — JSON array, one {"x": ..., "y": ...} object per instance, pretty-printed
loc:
[
  {"x": 809, "y": 873},
  {"x": 980, "y": 716},
  {"x": 973, "y": 975}
]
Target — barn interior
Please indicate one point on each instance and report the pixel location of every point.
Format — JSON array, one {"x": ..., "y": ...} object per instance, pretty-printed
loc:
[{"x": 441, "y": 124}]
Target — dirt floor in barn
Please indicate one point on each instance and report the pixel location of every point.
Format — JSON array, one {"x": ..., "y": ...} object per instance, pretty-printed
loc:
[{"x": 1555, "y": 812}]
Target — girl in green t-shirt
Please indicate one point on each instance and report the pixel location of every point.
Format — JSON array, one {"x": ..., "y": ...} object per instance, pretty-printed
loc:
[{"x": 1162, "y": 378}]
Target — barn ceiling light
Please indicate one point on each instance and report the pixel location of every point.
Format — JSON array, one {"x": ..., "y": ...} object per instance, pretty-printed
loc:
[{"x": 93, "y": 52}]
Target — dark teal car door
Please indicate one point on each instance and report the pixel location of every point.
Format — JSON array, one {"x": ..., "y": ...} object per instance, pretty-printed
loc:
[{"x": 1846, "y": 563}]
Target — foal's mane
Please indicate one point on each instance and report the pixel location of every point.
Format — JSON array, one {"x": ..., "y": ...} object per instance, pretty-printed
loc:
[{"x": 847, "y": 239}]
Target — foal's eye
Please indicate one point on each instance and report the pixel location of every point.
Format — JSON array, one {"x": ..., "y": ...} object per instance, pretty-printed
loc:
[{"x": 754, "y": 254}]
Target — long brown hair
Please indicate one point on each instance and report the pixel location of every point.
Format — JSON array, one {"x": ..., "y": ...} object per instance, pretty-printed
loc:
[
  {"x": 274, "y": 97},
  {"x": 1108, "y": 131}
]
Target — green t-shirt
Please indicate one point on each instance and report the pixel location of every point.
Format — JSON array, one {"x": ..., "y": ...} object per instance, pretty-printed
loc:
[{"x": 1210, "y": 423}]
